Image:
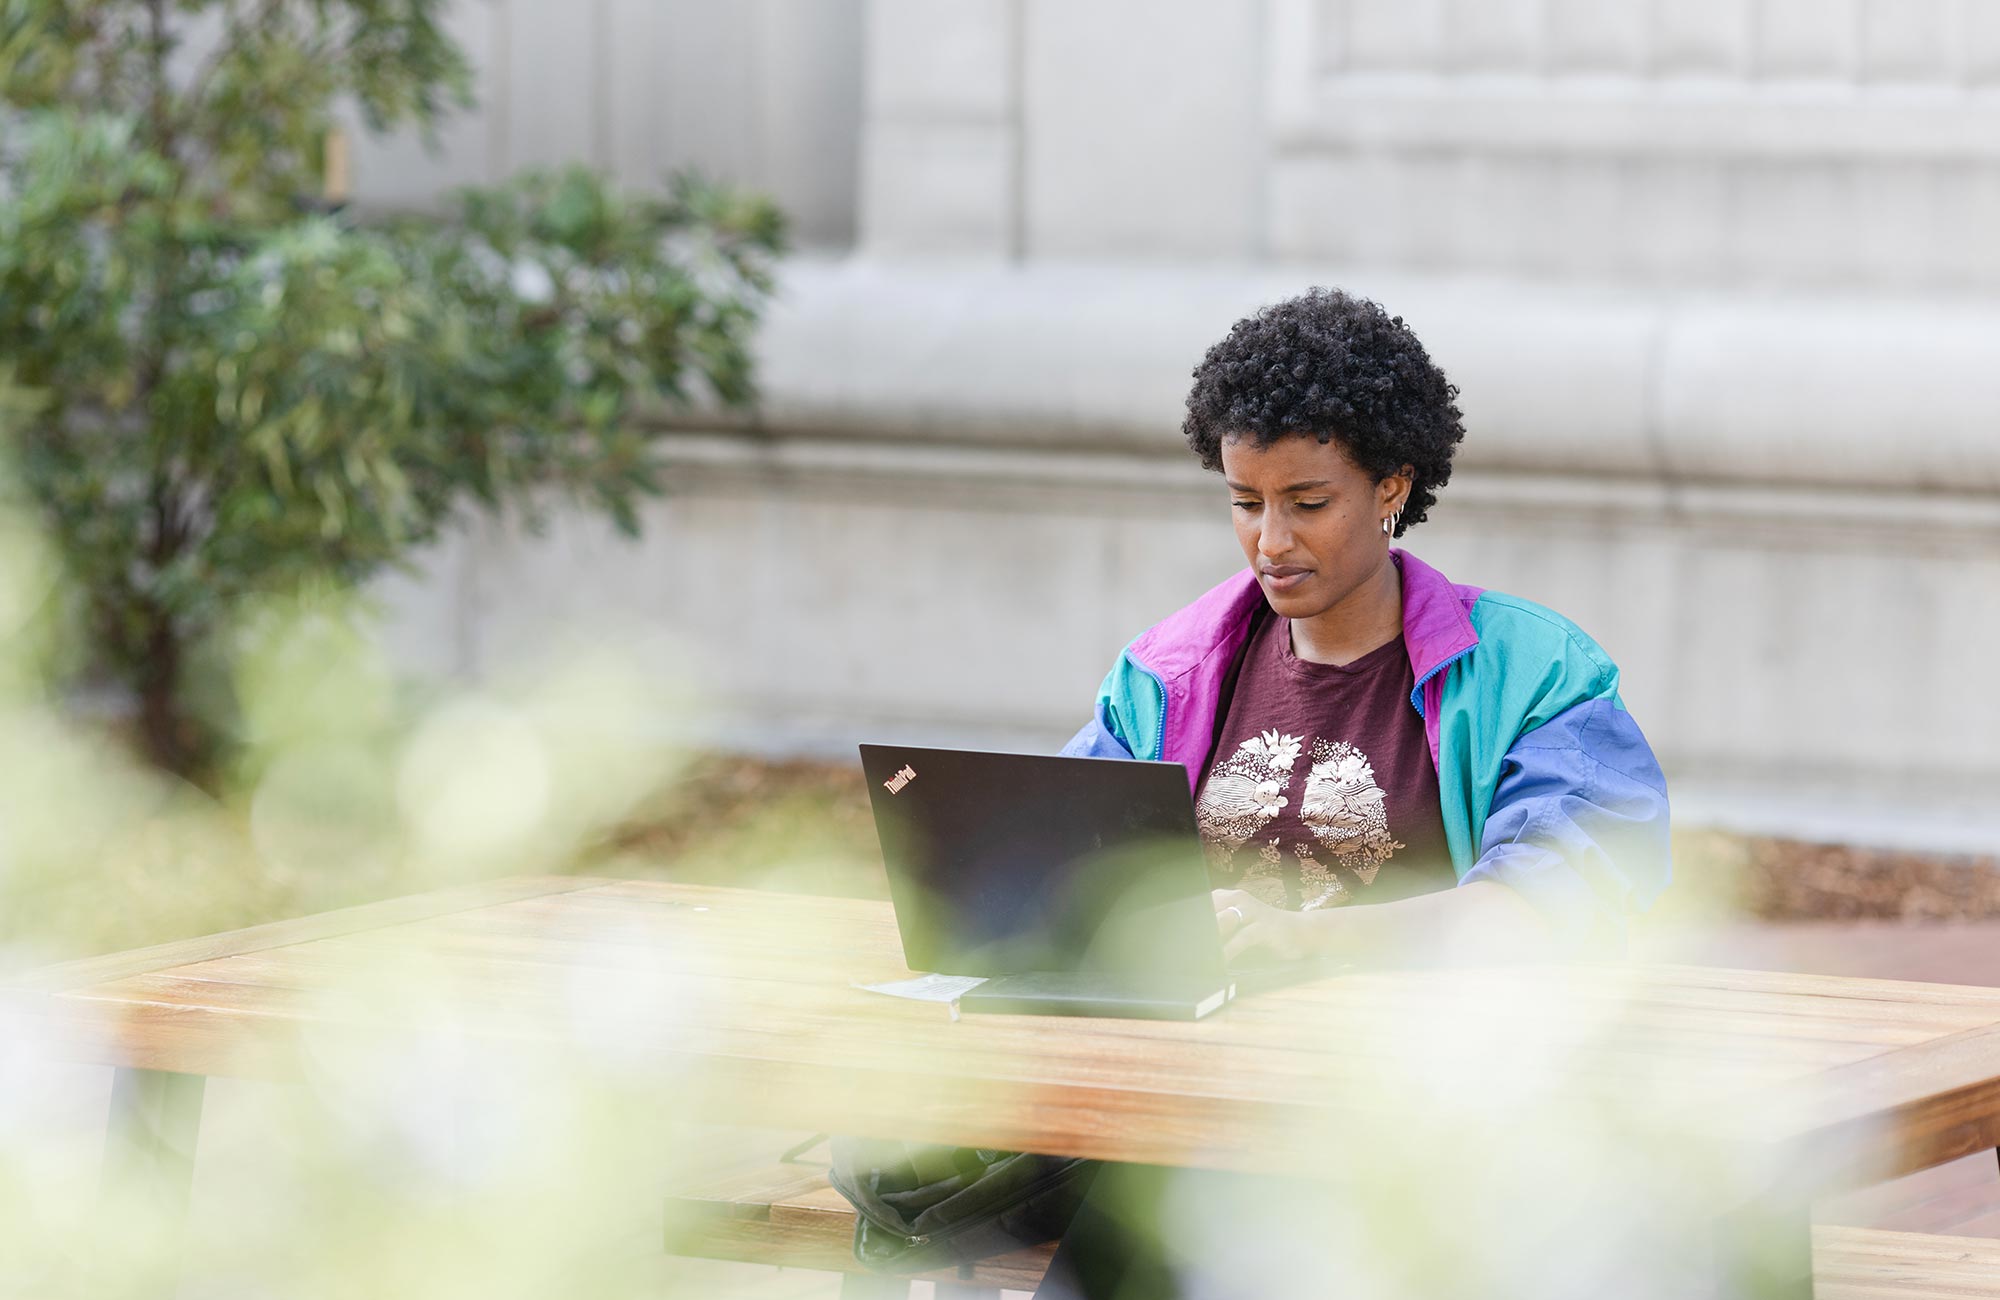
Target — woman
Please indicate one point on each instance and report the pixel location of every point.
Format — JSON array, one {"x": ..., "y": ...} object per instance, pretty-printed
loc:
[
  {"x": 1356, "y": 728},
  {"x": 1387, "y": 767}
]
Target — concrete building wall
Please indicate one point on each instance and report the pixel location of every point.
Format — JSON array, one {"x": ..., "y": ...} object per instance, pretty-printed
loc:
[
  {"x": 1725, "y": 141},
  {"x": 1728, "y": 140},
  {"x": 763, "y": 93},
  {"x": 1716, "y": 280}
]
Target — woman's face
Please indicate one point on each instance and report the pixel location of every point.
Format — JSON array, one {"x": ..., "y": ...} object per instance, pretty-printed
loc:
[{"x": 1309, "y": 519}]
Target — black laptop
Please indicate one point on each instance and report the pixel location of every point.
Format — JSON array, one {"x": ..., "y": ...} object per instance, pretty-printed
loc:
[{"x": 1075, "y": 886}]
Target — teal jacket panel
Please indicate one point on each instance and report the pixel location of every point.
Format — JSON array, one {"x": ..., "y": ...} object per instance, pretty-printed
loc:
[{"x": 1531, "y": 665}]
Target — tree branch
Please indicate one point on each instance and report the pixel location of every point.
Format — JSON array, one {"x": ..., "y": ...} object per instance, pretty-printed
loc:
[
  {"x": 159, "y": 111},
  {"x": 233, "y": 39}
]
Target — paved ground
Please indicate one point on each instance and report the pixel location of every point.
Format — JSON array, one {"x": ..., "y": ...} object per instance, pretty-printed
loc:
[{"x": 1935, "y": 953}]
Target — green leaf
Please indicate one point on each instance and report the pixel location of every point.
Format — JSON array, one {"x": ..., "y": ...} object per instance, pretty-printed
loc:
[{"x": 215, "y": 394}]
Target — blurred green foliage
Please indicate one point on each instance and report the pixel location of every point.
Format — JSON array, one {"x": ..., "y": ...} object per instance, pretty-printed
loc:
[
  {"x": 798, "y": 826},
  {"x": 215, "y": 391}
]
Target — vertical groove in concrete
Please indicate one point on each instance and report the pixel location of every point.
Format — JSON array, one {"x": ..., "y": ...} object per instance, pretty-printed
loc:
[
  {"x": 601, "y": 88},
  {"x": 498, "y": 161},
  {"x": 1017, "y": 124},
  {"x": 1259, "y": 248},
  {"x": 757, "y": 25},
  {"x": 1654, "y": 414}
]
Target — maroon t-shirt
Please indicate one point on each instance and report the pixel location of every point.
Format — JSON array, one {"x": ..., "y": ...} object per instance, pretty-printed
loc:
[{"x": 1321, "y": 789}]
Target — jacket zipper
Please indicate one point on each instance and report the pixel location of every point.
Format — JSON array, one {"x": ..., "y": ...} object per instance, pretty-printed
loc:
[
  {"x": 1417, "y": 691},
  {"x": 1160, "y": 741}
]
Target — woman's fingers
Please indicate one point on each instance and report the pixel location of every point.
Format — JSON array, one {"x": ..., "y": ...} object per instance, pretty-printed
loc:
[
  {"x": 1232, "y": 911},
  {"x": 1245, "y": 939}
]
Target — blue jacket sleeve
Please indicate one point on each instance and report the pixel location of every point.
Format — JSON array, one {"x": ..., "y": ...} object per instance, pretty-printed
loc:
[
  {"x": 1578, "y": 824},
  {"x": 1106, "y": 734},
  {"x": 1096, "y": 740}
]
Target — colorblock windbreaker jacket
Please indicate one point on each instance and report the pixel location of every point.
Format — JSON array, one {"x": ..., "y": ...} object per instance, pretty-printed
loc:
[{"x": 1545, "y": 781}]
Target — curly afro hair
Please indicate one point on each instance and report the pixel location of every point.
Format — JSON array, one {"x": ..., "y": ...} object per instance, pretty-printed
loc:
[{"x": 1335, "y": 368}]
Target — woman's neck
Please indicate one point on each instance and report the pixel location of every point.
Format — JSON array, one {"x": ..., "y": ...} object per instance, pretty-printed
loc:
[{"x": 1365, "y": 619}]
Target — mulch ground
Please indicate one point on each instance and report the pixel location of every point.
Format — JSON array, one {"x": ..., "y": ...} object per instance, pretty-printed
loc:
[
  {"x": 1791, "y": 880},
  {"x": 805, "y": 826},
  {"x": 794, "y": 824}
]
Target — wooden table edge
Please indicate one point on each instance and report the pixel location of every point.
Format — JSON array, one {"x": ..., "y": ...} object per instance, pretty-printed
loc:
[
  {"x": 87, "y": 971},
  {"x": 1900, "y": 1111}
]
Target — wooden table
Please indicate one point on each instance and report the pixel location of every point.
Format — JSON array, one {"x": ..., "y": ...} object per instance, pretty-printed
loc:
[{"x": 747, "y": 1002}]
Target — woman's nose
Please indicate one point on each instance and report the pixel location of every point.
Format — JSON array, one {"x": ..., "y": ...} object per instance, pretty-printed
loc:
[{"x": 1274, "y": 539}]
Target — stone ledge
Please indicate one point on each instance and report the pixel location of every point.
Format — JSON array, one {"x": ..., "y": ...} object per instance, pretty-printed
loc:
[
  {"x": 1841, "y": 391},
  {"x": 843, "y": 465}
]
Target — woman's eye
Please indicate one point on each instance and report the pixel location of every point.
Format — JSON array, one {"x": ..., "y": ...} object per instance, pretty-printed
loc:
[
  {"x": 1246, "y": 505},
  {"x": 1311, "y": 505}
]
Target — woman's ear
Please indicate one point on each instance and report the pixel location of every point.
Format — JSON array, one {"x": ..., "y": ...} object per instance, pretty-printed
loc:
[{"x": 1395, "y": 489}]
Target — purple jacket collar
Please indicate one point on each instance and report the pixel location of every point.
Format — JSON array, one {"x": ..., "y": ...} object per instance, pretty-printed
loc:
[{"x": 1191, "y": 651}]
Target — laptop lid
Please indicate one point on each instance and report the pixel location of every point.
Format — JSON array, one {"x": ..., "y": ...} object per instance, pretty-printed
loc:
[{"x": 1003, "y": 864}]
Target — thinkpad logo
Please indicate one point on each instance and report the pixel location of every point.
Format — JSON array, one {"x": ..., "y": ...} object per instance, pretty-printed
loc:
[{"x": 895, "y": 784}]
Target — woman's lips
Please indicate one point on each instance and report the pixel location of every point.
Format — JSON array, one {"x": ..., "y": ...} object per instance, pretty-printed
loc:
[{"x": 1283, "y": 577}]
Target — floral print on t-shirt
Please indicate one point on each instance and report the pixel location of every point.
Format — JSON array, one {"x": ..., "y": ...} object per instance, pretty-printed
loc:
[
  {"x": 1322, "y": 789},
  {"x": 1341, "y": 805},
  {"x": 1245, "y": 790},
  {"x": 1343, "y": 809}
]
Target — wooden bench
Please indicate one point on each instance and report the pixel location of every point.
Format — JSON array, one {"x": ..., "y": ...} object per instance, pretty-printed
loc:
[
  {"x": 789, "y": 1216},
  {"x": 1876, "y": 1264}
]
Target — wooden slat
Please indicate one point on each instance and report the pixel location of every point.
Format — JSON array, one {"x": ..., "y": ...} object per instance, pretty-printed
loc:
[
  {"x": 792, "y": 1245},
  {"x": 1871, "y": 1264},
  {"x": 524, "y": 970},
  {"x": 757, "y": 1000},
  {"x": 752, "y": 1193},
  {"x": 1223, "y": 1108},
  {"x": 765, "y": 1077},
  {"x": 1833, "y": 986},
  {"x": 1280, "y": 1022},
  {"x": 87, "y": 971},
  {"x": 1704, "y": 1034},
  {"x": 1858, "y": 1021},
  {"x": 813, "y": 1205},
  {"x": 1295, "y": 1055},
  {"x": 790, "y": 1216},
  {"x": 851, "y": 927},
  {"x": 1909, "y": 1109},
  {"x": 550, "y": 933}
]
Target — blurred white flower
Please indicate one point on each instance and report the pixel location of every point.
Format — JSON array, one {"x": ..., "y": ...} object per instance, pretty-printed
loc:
[
  {"x": 532, "y": 282},
  {"x": 474, "y": 782}
]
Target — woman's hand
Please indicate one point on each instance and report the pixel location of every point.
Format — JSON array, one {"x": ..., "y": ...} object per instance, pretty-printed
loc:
[
  {"x": 1481, "y": 924},
  {"x": 1248, "y": 925}
]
